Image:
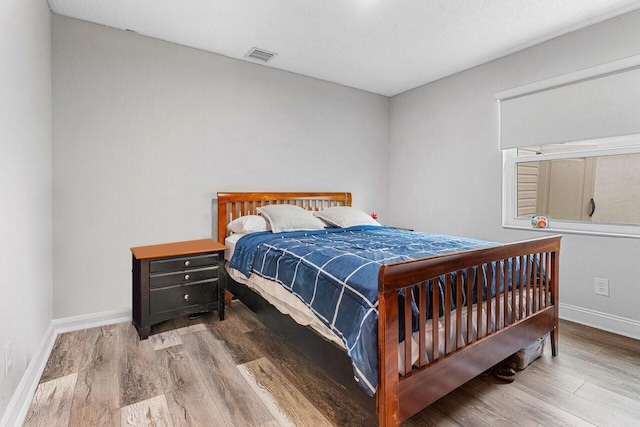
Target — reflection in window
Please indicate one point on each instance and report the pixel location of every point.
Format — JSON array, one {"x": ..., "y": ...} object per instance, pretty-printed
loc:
[{"x": 579, "y": 182}]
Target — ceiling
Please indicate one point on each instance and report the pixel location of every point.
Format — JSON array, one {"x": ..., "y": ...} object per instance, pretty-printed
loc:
[{"x": 381, "y": 46}]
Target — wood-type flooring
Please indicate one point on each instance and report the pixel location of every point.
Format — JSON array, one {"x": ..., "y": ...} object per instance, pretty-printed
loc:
[{"x": 205, "y": 372}]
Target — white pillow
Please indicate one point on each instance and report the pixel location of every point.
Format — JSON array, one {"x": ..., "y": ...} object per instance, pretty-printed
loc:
[
  {"x": 345, "y": 216},
  {"x": 248, "y": 224},
  {"x": 290, "y": 218}
]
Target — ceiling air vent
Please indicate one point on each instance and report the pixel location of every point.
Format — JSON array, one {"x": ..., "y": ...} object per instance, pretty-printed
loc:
[{"x": 260, "y": 54}]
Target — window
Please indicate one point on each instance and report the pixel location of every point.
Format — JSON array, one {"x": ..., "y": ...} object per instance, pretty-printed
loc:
[
  {"x": 586, "y": 187},
  {"x": 571, "y": 150}
]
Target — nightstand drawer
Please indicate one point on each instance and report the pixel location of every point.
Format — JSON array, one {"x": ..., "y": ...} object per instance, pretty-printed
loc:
[
  {"x": 185, "y": 276},
  {"x": 177, "y": 297},
  {"x": 182, "y": 263}
]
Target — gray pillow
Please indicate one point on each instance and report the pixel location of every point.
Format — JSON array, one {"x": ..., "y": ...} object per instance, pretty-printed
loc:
[
  {"x": 290, "y": 218},
  {"x": 345, "y": 216}
]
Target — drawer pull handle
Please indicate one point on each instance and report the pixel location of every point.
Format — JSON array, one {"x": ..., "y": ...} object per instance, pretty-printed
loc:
[
  {"x": 186, "y": 297},
  {"x": 187, "y": 263},
  {"x": 186, "y": 277}
]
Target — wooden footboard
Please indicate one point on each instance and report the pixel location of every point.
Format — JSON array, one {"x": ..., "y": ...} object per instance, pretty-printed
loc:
[{"x": 459, "y": 351}]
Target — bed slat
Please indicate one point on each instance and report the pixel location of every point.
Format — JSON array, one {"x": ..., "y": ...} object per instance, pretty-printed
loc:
[
  {"x": 529, "y": 305},
  {"x": 479, "y": 318},
  {"x": 459, "y": 308},
  {"x": 489, "y": 289},
  {"x": 514, "y": 291},
  {"x": 469, "y": 336},
  {"x": 505, "y": 295},
  {"x": 422, "y": 322},
  {"x": 408, "y": 329},
  {"x": 435, "y": 310},
  {"x": 447, "y": 318},
  {"x": 520, "y": 313}
]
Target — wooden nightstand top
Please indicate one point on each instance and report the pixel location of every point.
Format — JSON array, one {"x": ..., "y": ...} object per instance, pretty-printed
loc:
[{"x": 177, "y": 248}]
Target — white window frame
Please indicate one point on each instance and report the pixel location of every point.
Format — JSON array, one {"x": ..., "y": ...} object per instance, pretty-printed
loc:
[{"x": 510, "y": 161}]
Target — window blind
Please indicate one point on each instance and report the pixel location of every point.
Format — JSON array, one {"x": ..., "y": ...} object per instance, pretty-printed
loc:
[{"x": 596, "y": 103}]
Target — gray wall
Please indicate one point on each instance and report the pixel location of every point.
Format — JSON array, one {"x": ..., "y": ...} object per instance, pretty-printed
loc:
[
  {"x": 446, "y": 167},
  {"x": 145, "y": 132},
  {"x": 25, "y": 184}
]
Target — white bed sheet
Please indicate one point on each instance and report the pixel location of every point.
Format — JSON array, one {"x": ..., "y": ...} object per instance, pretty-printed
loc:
[{"x": 230, "y": 243}]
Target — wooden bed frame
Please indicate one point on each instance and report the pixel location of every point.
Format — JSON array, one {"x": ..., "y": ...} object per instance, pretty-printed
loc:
[{"x": 402, "y": 394}]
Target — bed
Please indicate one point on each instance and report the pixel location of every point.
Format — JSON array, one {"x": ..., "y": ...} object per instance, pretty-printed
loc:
[{"x": 421, "y": 350}]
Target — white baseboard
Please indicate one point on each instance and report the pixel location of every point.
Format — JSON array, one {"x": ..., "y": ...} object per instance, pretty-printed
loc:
[
  {"x": 85, "y": 321},
  {"x": 18, "y": 406},
  {"x": 607, "y": 322},
  {"x": 16, "y": 411}
]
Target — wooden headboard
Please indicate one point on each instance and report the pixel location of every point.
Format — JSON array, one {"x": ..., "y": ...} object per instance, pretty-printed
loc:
[{"x": 234, "y": 205}]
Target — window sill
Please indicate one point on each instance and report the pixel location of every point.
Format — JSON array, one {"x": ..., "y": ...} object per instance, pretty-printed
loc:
[{"x": 607, "y": 230}]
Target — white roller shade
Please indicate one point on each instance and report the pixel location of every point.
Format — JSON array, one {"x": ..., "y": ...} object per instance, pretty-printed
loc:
[{"x": 598, "y": 103}]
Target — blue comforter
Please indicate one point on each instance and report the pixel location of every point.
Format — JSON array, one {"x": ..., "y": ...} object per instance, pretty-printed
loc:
[{"x": 335, "y": 273}]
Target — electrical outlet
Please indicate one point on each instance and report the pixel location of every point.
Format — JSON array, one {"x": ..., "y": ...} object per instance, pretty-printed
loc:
[
  {"x": 601, "y": 286},
  {"x": 8, "y": 358}
]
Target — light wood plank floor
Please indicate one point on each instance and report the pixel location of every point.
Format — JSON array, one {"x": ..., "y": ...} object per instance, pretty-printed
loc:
[{"x": 205, "y": 372}]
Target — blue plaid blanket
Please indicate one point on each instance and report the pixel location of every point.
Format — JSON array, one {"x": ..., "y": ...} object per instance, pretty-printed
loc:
[{"x": 335, "y": 273}]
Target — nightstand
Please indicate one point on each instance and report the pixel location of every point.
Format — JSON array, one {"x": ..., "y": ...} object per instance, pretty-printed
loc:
[{"x": 175, "y": 279}]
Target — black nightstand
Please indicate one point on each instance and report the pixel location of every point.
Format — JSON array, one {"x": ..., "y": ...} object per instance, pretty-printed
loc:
[{"x": 176, "y": 279}]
